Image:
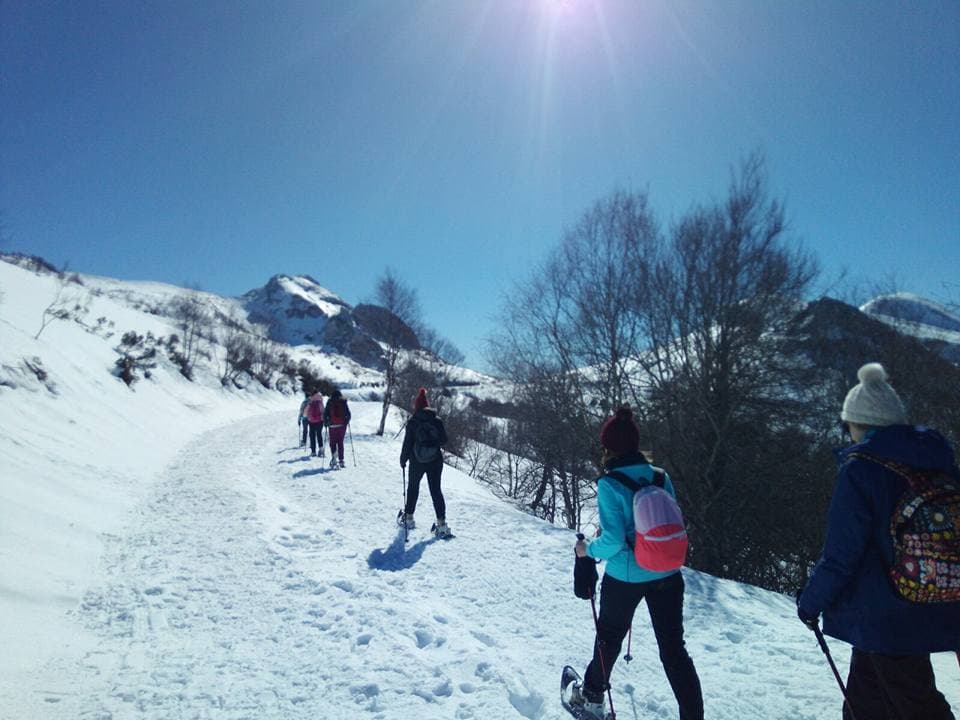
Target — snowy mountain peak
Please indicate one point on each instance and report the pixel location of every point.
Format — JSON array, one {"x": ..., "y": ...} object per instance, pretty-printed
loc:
[
  {"x": 912, "y": 308},
  {"x": 924, "y": 319},
  {"x": 308, "y": 290},
  {"x": 297, "y": 310}
]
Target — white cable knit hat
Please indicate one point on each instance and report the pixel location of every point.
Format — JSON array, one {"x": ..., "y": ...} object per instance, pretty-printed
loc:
[{"x": 873, "y": 402}]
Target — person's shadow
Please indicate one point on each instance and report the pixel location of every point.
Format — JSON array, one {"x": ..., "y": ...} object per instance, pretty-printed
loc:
[
  {"x": 311, "y": 471},
  {"x": 298, "y": 459},
  {"x": 398, "y": 556}
]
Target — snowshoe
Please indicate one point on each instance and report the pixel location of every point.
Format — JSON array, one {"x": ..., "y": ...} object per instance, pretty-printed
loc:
[
  {"x": 574, "y": 701},
  {"x": 441, "y": 530}
]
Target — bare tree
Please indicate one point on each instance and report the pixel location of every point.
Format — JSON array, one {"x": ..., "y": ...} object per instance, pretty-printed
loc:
[
  {"x": 66, "y": 303},
  {"x": 403, "y": 312},
  {"x": 194, "y": 321},
  {"x": 726, "y": 406},
  {"x": 689, "y": 327},
  {"x": 566, "y": 337}
]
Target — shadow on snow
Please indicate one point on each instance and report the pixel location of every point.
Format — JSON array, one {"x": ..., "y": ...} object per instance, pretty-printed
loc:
[
  {"x": 398, "y": 556},
  {"x": 311, "y": 471}
]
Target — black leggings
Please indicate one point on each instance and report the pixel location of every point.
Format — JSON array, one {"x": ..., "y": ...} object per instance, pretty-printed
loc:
[
  {"x": 618, "y": 601},
  {"x": 433, "y": 471},
  {"x": 316, "y": 437},
  {"x": 898, "y": 687}
]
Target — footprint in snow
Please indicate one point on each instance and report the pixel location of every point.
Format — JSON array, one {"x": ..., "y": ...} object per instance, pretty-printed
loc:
[{"x": 424, "y": 638}]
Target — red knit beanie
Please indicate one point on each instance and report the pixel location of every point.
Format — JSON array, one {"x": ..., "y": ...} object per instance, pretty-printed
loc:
[
  {"x": 420, "y": 402},
  {"x": 620, "y": 434}
]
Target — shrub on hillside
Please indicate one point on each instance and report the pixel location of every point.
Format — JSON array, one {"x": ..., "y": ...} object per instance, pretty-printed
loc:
[{"x": 137, "y": 357}]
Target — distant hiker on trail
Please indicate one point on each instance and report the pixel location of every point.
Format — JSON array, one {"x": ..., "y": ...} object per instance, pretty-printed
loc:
[
  {"x": 625, "y": 583},
  {"x": 336, "y": 417},
  {"x": 422, "y": 440},
  {"x": 314, "y": 417},
  {"x": 302, "y": 419},
  {"x": 895, "y": 609}
]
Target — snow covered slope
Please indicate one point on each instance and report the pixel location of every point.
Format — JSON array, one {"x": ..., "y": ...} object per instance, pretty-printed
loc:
[
  {"x": 251, "y": 582},
  {"x": 169, "y": 552}
]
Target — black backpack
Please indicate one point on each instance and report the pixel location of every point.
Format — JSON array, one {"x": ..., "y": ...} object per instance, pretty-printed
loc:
[{"x": 426, "y": 441}]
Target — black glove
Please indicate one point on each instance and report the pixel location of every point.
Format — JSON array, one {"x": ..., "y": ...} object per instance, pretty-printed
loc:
[
  {"x": 811, "y": 621},
  {"x": 584, "y": 576}
]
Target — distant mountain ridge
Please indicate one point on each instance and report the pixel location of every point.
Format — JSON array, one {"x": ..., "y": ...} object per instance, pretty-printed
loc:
[
  {"x": 297, "y": 310},
  {"x": 933, "y": 324}
]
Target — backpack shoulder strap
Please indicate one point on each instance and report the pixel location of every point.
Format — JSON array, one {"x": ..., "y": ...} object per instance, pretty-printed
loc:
[
  {"x": 659, "y": 478},
  {"x": 904, "y": 471},
  {"x": 623, "y": 479}
]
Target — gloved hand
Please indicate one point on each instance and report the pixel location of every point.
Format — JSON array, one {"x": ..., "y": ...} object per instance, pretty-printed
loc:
[
  {"x": 580, "y": 549},
  {"x": 584, "y": 573},
  {"x": 811, "y": 621},
  {"x": 403, "y": 464}
]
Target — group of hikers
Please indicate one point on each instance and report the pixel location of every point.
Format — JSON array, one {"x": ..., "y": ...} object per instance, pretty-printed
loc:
[
  {"x": 887, "y": 581},
  {"x": 424, "y": 437},
  {"x": 894, "y": 608},
  {"x": 314, "y": 415}
]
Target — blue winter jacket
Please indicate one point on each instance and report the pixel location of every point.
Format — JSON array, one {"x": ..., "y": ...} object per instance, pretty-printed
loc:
[
  {"x": 615, "y": 503},
  {"x": 850, "y": 584}
]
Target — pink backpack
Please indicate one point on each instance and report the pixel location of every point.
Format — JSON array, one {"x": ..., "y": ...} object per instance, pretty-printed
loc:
[
  {"x": 315, "y": 410},
  {"x": 660, "y": 543}
]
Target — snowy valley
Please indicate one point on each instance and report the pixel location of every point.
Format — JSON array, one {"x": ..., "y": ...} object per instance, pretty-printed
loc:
[{"x": 168, "y": 551}]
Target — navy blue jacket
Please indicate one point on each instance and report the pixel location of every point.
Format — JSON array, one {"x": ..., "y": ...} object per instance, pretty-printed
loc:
[{"x": 850, "y": 585}]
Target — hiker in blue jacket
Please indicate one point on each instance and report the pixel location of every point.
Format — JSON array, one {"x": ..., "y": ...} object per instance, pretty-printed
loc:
[
  {"x": 890, "y": 672},
  {"x": 625, "y": 583}
]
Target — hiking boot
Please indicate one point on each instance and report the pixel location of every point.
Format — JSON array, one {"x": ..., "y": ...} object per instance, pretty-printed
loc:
[
  {"x": 342, "y": 464},
  {"x": 441, "y": 529},
  {"x": 404, "y": 520},
  {"x": 333, "y": 463},
  {"x": 591, "y": 703}
]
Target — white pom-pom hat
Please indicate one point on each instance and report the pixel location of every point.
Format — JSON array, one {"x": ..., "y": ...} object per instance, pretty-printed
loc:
[{"x": 873, "y": 402}]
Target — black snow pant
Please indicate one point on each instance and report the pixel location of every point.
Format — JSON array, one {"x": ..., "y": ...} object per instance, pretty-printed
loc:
[
  {"x": 618, "y": 601},
  {"x": 433, "y": 471},
  {"x": 316, "y": 437},
  {"x": 306, "y": 427},
  {"x": 893, "y": 687}
]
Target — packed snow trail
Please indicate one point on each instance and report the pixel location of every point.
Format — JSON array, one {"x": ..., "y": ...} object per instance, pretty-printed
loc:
[{"x": 255, "y": 583}]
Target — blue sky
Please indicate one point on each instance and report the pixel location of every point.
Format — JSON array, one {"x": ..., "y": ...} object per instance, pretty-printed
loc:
[{"x": 219, "y": 143}]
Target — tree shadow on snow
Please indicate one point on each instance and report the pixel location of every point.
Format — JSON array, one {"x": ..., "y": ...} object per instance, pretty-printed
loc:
[{"x": 398, "y": 556}]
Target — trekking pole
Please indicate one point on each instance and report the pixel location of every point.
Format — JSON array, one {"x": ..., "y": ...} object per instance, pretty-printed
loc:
[
  {"x": 354, "y": 452},
  {"x": 628, "y": 657},
  {"x": 826, "y": 651},
  {"x": 403, "y": 510},
  {"x": 603, "y": 665}
]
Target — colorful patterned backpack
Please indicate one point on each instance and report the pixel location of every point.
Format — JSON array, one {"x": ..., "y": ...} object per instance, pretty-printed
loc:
[{"x": 925, "y": 528}]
